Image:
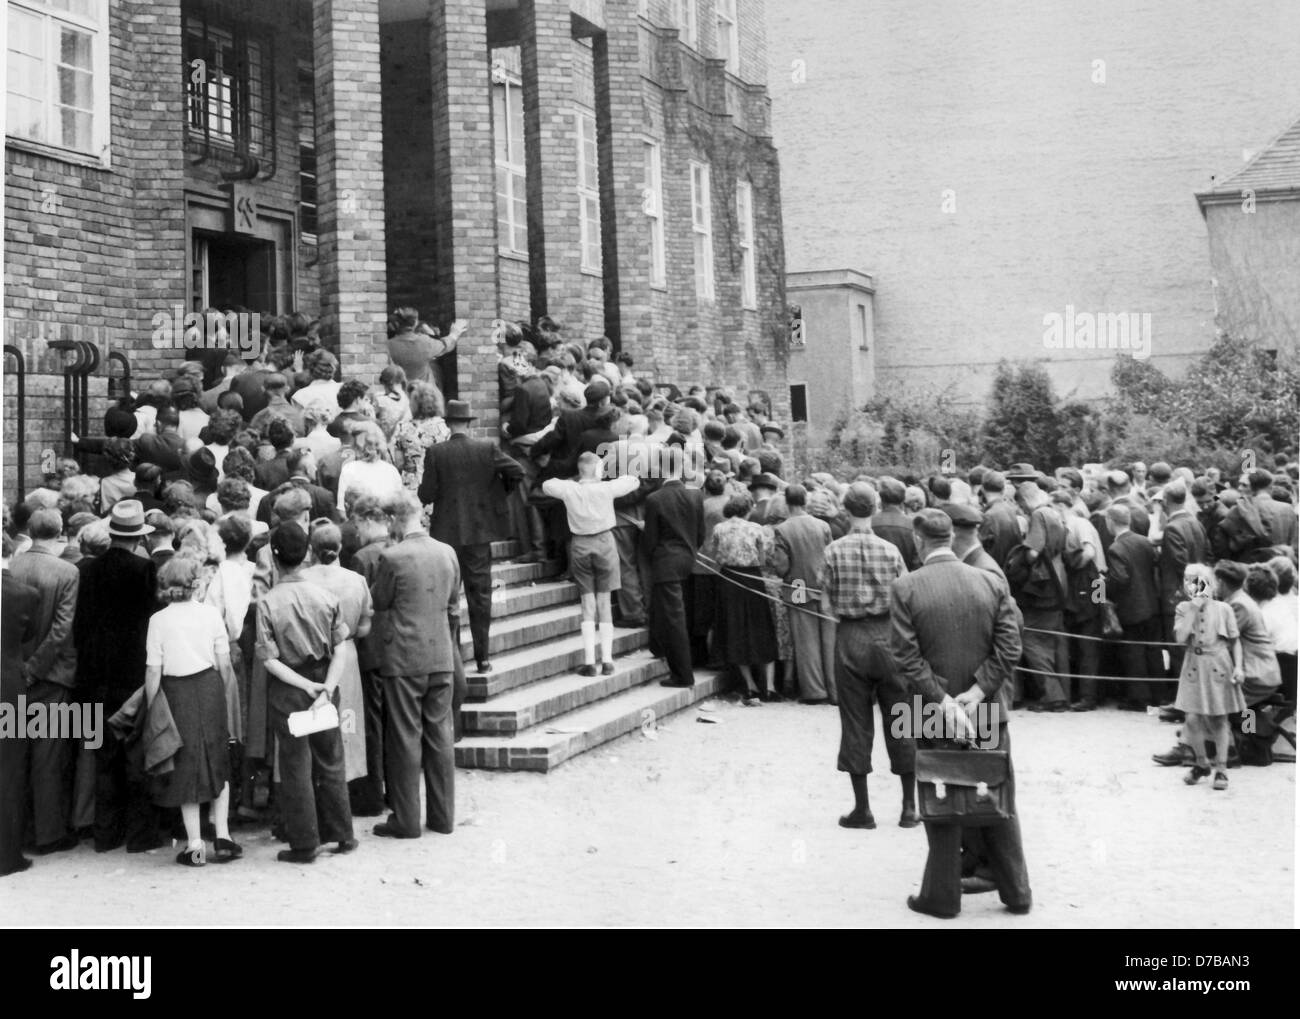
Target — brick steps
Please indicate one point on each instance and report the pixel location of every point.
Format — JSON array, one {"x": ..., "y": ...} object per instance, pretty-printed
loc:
[
  {"x": 532, "y": 712},
  {"x": 541, "y": 661},
  {"x": 506, "y": 549},
  {"x": 514, "y": 632},
  {"x": 551, "y": 743},
  {"x": 537, "y": 702},
  {"x": 511, "y": 601},
  {"x": 508, "y": 574}
]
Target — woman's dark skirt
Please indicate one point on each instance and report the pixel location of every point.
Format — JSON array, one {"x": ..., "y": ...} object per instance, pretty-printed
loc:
[
  {"x": 743, "y": 631},
  {"x": 202, "y": 765}
]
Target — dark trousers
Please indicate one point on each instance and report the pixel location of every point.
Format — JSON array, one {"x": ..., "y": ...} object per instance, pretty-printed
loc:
[
  {"x": 476, "y": 574},
  {"x": 124, "y": 808},
  {"x": 669, "y": 637},
  {"x": 941, "y": 882},
  {"x": 864, "y": 675},
  {"x": 370, "y": 787},
  {"x": 13, "y": 797},
  {"x": 418, "y": 737},
  {"x": 1085, "y": 654},
  {"x": 631, "y": 593},
  {"x": 525, "y": 520},
  {"x": 1045, "y": 653},
  {"x": 313, "y": 793},
  {"x": 1139, "y": 660},
  {"x": 49, "y": 762}
]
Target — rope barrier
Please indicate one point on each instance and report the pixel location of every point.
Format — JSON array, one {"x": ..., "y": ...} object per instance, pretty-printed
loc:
[
  {"x": 764, "y": 594},
  {"x": 1106, "y": 679},
  {"x": 1105, "y": 640}
]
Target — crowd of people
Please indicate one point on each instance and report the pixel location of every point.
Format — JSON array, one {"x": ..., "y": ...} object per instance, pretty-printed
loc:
[{"x": 257, "y": 570}]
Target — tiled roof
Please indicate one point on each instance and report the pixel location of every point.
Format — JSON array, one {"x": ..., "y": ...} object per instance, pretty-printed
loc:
[{"x": 1277, "y": 165}]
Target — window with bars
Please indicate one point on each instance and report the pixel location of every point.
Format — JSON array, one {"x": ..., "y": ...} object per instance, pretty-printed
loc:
[
  {"x": 588, "y": 189},
  {"x": 228, "y": 81},
  {"x": 745, "y": 225},
  {"x": 653, "y": 206},
  {"x": 512, "y": 177},
  {"x": 728, "y": 33},
  {"x": 308, "y": 218},
  {"x": 57, "y": 85},
  {"x": 702, "y": 227}
]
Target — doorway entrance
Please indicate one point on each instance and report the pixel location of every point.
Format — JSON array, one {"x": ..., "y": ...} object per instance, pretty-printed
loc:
[{"x": 234, "y": 271}]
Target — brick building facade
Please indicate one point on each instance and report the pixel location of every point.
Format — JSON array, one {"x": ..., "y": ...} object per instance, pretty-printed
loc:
[
  {"x": 607, "y": 162},
  {"x": 991, "y": 163}
]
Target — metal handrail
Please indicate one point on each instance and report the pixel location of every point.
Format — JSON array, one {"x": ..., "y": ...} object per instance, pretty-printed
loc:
[{"x": 20, "y": 442}]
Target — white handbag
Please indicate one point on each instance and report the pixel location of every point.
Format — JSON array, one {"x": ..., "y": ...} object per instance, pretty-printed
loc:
[{"x": 314, "y": 719}]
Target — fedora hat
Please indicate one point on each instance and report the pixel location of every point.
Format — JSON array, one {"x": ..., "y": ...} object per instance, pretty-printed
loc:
[
  {"x": 126, "y": 520},
  {"x": 458, "y": 410}
]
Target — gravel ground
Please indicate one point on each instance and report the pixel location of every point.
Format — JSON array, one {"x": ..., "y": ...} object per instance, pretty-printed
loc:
[{"x": 733, "y": 823}]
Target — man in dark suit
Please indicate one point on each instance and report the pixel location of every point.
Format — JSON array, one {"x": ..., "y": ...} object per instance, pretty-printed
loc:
[
  {"x": 19, "y": 607},
  {"x": 1120, "y": 489},
  {"x": 674, "y": 528},
  {"x": 1131, "y": 585},
  {"x": 115, "y": 599},
  {"x": 50, "y": 671},
  {"x": 1278, "y": 518},
  {"x": 417, "y": 604},
  {"x": 955, "y": 642},
  {"x": 164, "y": 446},
  {"x": 275, "y": 472},
  {"x": 1182, "y": 543},
  {"x": 467, "y": 481},
  {"x": 564, "y": 441},
  {"x": 1000, "y": 530},
  {"x": 302, "y": 470},
  {"x": 891, "y": 523}
]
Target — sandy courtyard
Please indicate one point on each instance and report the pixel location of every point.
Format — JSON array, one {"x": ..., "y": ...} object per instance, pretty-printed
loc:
[{"x": 734, "y": 824}]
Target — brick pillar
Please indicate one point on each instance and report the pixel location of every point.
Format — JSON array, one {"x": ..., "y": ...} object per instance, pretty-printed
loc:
[
  {"x": 550, "y": 140},
  {"x": 625, "y": 229},
  {"x": 465, "y": 201},
  {"x": 354, "y": 299}
]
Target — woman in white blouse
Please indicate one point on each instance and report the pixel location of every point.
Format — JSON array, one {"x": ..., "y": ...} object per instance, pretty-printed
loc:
[
  {"x": 369, "y": 471},
  {"x": 187, "y": 658}
]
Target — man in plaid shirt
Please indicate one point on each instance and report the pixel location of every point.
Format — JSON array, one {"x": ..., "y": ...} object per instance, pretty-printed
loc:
[{"x": 855, "y": 582}]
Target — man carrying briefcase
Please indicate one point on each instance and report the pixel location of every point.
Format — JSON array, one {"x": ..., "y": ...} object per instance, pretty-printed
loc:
[{"x": 955, "y": 642}]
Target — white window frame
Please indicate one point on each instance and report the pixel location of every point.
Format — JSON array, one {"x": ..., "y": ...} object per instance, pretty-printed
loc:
[
  {"x": 745, "y": 226},
  {"x": 516, "y": 172},
  {"x": 588, "y": 188},
  {"x": 702, "y": 229},
  {"x": 97, "y": 27},
  {"x": 652, "y": 204},
  {"x": 686, "y": 16},
  {"x": 728, "y": 29}
]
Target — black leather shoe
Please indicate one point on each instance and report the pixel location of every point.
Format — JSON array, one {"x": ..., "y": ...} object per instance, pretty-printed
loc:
[
  {"x": 297, "y": 855},
  {"x": 915, "y": 904},
  {"x": 483, "y": 667},
  {"x": 21, "y": 865},
  {"x": 1020, "y": 909},
  {"x": 976, "y": 885},
  {"x": 909, "y": 819},
  {"x": 389, "y": 831},
  {"x": 69, "y": 841},
  {"x": 345, "y": 847},
  {"x": 1180, "y": 756}
]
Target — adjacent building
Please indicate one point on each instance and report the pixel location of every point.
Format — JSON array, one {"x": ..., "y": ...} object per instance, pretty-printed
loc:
[
  {"x": 990, "y": 164},
  {"x": 606, "y": 162},
  {"x": 1253, "y": 220}
]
